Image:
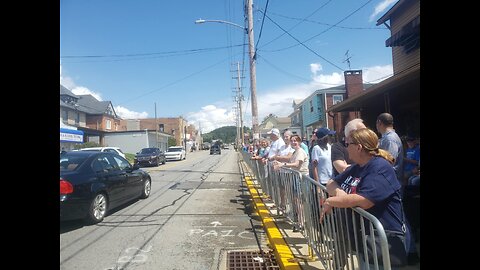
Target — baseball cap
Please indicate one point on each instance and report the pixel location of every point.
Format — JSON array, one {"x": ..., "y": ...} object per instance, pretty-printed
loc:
[
  {"x": 274, "y": 131},
  {"x": 410, "y": 138},
  {"x": 322, "y": 132}
]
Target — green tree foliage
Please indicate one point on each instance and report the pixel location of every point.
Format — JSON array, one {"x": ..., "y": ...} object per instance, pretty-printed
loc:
[
  {"x": 171, "y": 141},
  {"x": 226, "y": 134},
  {"x": 85, "y": 145}
]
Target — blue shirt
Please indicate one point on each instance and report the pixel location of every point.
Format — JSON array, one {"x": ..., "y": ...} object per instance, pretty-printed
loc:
[
  {"x": 411, "y": 153},
  {"x": 377, "y": 182}
]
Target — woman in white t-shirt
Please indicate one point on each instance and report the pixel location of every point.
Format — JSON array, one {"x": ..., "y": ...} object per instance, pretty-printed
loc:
[{"x": 299, "y": 160}]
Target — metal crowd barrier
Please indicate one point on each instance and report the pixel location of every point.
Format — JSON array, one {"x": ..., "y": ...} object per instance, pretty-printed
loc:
[{"x": 338, "y": 238}]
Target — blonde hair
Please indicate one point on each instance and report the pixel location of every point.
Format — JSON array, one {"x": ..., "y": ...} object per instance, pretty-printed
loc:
[{"x": 369, "y": 141}]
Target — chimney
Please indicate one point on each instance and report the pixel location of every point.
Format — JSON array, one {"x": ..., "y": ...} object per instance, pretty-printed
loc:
[{"x": 353, "y": 83}]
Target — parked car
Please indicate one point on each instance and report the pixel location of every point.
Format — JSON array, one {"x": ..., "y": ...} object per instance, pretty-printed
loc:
[
  {"x": 150, "y": 156},
  {"x": 93, "y": 182},
  {"x": 105, "y": 149},
  {"x": 175, "y": 153},
  {"x": 215, "y": 149}
]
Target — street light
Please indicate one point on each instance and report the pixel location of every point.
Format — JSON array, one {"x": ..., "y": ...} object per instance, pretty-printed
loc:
[
  {"x": 253, "y": 76},
  {"x": 199, "y": 21}
]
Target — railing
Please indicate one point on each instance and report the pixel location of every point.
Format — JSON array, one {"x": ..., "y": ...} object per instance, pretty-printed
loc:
[{"x": 339, "y": 240}]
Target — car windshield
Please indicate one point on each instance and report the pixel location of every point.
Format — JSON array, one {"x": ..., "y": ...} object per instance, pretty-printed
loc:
[
  {"x": 70, "y": 163},
  {"x": 175, "y": 149},
  {"x": 147, "y": 151}
]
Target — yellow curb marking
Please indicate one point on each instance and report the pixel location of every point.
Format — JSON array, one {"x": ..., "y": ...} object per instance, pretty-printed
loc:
[{"x": 280, "y": 247}]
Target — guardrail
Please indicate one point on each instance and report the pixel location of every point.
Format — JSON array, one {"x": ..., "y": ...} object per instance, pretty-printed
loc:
[{"x": 339, "y": 240}]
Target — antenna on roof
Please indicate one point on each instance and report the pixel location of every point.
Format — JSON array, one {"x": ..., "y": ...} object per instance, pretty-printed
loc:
[{"x": 347, "y": 60}]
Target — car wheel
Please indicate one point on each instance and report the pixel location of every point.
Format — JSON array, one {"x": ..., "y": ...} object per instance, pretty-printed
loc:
[
  {"x": 147, "y": 188},
  {"x": 97, "y": 209}
]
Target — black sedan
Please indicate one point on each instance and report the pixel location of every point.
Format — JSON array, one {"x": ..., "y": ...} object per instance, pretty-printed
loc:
[
  {"x": 150, "y": 156},
  {"x": 92, "y": 183}
]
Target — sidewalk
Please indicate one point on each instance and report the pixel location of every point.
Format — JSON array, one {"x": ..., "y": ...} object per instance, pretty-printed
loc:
[{"x": 291, "y": 249}]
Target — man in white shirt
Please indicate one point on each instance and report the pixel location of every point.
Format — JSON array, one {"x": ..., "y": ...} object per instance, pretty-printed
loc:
[{"x": 276, "y": 145}]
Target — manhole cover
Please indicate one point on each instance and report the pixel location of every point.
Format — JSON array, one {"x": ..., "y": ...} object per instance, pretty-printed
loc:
[{"x": 251, "y": 260}]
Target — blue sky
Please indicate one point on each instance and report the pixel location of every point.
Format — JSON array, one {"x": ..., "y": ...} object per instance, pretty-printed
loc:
[{"x": 138, "y": 53}]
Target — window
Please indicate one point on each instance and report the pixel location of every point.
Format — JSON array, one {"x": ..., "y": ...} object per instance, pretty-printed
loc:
[
  {"x": 161, "y": 127},
  {"x": 65, "y": 116},
  {"x": 77, "y": 119},
  {"x": 122, "y": 164},
  {"x": 108, "y": 124},
  {"x": 337, "y": 99},
  {"x": 311, "y": 105}
]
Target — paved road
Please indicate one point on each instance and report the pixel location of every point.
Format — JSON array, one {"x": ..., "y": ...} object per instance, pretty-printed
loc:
[{"x": 197, "y": 211}]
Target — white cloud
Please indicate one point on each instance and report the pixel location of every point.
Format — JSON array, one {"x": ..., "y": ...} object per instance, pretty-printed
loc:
[
  {"x": 380, "y": 8},
  {"x": 377, "y": 74},
  {"x": 127, "y": 114},
  {"x": 81, "y": 90},
  {"x": 315, "y": 67},
  {"x": 279, "y": 101},
  {"x": 210, "y": 117}
]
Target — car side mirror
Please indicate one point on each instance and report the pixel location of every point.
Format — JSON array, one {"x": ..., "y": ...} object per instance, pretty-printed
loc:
[{"x": 135, "y": 167}]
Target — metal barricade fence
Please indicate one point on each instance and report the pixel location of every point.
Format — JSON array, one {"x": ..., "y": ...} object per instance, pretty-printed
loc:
[{"x": 339, "y": 240}]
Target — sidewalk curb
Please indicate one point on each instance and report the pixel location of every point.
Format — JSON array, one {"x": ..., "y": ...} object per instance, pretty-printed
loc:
[{"x": 283, "y": 253}]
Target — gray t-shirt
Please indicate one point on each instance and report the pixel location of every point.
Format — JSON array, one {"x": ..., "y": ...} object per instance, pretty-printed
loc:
[{"x": 393, "y": 144}]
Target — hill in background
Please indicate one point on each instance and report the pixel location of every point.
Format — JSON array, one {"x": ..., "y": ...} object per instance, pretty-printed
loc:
[{"x": 227, "y": 134}]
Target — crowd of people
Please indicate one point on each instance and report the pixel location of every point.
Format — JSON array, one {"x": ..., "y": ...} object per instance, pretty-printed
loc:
[{"x": 358, "y": 168}]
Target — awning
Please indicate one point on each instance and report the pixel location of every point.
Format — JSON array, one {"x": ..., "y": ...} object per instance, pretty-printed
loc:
[
  {"x": 409, "y": 33},
  {"x": 71, "y": 135}
]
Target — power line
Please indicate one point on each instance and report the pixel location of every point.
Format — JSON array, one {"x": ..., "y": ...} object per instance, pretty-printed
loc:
[
  {"x": 168, "y": 53},
  {"x": 175, "y": 82},
  {"x": 302, "y": 20},
  {"x": 324, "y": 31},
  {"x": 327, "y": 24},
  {"x": 301, "y": 43},
  {"x": 261, "y": 27}
]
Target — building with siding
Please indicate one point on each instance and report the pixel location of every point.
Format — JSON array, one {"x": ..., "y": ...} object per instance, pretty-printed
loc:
[
  {"x": 398, "y": 95},
  {"x": 87, "y": 114},
  {"x": 314, "y": 108},
  {"x": 273, "y": 121},
  {"x": 174, "y": 126}
]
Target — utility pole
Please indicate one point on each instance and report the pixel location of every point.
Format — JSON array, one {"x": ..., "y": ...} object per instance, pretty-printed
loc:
[
  {"x": 239, "y": 99},
  {"x": 185, "y": 138},
  {"x": 253, "y": 76},
  {"x": 156, "y": 127}
]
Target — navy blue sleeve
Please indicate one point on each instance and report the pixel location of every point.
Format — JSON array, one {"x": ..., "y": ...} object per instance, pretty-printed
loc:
[{"x": 378, "y": 183}]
